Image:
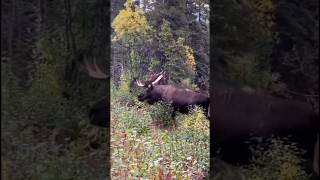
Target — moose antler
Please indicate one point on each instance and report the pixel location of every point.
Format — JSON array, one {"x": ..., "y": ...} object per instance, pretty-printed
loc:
[
  {"x": 153, "y": 79},
  {"x": 95, "y": 71},
  {"x": 158, "y": 79},
  {"x": 139, "y": 83},
  {"x": 158, "y": 74}
]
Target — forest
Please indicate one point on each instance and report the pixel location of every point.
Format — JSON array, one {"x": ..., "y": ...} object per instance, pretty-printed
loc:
[
  {"x": 149, "y": 38},
  {"x": 47, "y": 91}
]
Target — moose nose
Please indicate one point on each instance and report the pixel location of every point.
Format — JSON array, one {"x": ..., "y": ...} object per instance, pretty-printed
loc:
[{"x": 140, "y": 97}]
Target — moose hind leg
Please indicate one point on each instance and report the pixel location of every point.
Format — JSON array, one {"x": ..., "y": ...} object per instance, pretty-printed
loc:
[{"x": 173, "y": 114}]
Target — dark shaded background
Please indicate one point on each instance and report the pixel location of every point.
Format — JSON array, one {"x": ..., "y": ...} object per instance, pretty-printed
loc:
[{"x": 46, "y": 93}]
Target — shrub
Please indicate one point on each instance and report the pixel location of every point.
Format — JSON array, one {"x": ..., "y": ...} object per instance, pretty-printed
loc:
[
  {"x": 274, "y": 158},
  {"x": 161, "y": 112},
  {"x": 124, "y": 94},
  {"x": 157, "y": 153}
]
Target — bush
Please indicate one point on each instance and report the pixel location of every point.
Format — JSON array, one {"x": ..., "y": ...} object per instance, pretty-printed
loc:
[
  {"x": 276, "y": 159},
  {"x": 124, "y": 94},
  {"x": 157, "y": 153},
  {"x": 273, "y": 159},
  {"x": 186, "y": 83},
  {"x": 161, "y": 112}
]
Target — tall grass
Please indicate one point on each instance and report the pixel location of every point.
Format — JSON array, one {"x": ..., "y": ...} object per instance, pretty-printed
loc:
[
  {"x": 146, "y": 143},
  {"x": 273, "y": 159}
]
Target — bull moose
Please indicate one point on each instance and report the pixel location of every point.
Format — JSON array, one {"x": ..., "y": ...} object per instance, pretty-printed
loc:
[
  {"x": 181, "y": 99},
  {"x": 238, "y": 115}
]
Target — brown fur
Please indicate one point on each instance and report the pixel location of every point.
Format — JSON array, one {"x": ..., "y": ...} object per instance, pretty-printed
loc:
[{"x": 181, "y": 99}]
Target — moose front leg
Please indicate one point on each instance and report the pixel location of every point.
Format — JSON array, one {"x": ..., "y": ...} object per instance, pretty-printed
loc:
[{"x": 173, "y": 114}]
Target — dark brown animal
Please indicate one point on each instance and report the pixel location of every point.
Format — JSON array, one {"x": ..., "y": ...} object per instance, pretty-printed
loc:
[
  {"x": 239, "y": 115},
  {"x": 180, "y": 99}
]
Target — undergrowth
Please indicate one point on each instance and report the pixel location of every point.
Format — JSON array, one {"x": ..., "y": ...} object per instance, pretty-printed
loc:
[{"x": 147, "y": 144}]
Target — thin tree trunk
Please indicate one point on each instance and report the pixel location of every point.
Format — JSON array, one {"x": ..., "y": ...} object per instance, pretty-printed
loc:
[
  {"x": 66, "y": 28},
  {"x": 199, "y": 13},
  {"x": 39, "y": 30},
  {"x": 69, "y": 26},
  {"x": 130, "y": 61},
  {"x": 11, "y": 28}
]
